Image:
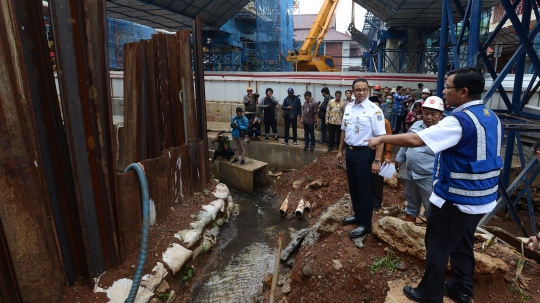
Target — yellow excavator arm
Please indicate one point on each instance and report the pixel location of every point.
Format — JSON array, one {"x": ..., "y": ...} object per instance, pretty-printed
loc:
[{"x": 305, "y": 59}]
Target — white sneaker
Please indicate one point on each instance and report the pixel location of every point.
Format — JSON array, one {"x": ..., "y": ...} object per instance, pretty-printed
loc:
[{"x": 295, "y": 143}]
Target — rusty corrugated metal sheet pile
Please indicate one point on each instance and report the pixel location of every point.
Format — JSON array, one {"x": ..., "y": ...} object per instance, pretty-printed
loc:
[{"x": 60, "y": 216}]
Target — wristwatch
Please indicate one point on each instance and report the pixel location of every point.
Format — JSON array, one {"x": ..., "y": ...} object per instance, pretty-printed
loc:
[{"x": 377, "y": 160}]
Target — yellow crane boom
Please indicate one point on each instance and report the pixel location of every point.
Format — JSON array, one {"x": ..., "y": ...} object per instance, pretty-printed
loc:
[{"x": 305, "y": 59}]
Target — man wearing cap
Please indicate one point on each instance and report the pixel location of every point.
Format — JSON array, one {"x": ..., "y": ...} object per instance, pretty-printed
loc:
[
  {"x": 418, "y": 92},
  {"x": 419, "y": 163},
  {"x": 250, "y": 102},
  {"x": 425, "y": 94},
  {"x": 362, "y": 120},
  {"x": 465, "y": 177},
  {"x": 291, "y": 110},
  {"x": 310, "y": 111}
]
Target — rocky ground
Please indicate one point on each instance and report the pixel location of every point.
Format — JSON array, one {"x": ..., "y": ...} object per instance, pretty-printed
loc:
[
  {"x": 329, "y": 266},
  {"x": 334, "y": 269}
]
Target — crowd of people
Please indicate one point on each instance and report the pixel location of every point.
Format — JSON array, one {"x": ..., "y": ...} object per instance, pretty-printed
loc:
[
  {"x": 401, "y": 109},
  {"x": 452, "y": 162}
]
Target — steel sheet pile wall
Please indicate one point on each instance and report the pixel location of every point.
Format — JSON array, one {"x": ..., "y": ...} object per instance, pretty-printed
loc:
[
  {"x": 83, "y": 75},
  {"x": 165, "y": 127},
  {"x": 160, "y": 110},
  {"x": 169, "y": 181},
  {"x": 36, "y": 185}
]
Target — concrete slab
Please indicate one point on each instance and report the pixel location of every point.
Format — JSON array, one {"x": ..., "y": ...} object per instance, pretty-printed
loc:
[
  {"x": 277, "y": 156},
  {"x": 244, "y": 177}
]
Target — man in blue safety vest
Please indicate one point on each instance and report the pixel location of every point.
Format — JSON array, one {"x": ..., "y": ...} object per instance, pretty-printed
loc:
[{"x": 467, "y": 166}]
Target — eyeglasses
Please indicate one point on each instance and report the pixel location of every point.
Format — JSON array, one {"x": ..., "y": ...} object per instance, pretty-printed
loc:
[
  {"x": 365, "y": 90},
  {"x": 449, "y": 87}
]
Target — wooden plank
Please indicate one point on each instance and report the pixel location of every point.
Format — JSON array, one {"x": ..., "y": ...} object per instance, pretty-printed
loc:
[
  {"x": 513, "y": 241},
  {"x": 129, "y": 213}
]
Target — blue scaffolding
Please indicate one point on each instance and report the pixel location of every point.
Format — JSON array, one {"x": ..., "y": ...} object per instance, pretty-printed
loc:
[{"x": 274, "y": 35}]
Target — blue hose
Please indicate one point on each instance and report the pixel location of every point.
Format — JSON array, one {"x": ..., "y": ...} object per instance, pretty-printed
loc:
[{"x": 145, "y": 200}]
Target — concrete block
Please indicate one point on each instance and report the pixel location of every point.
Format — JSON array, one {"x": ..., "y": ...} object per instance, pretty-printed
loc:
[
  {"x": 220, "y": 111},
  {"x": 244, "y": 177}
]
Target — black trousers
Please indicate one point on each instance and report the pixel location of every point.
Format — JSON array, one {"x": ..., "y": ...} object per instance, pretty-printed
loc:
[
  {"x": 309, "y": 135},
  {"x": 400, "y": 123},
  {"x": 378, "y": 182},
  {"x": 358, "y": 163},
  {"x": 449, "y": 234},
  {"x": 270, "y": 122},
  {"x": 334, "y": 134},
  {"x": 288, "y": 124},
  {"x": 225, "y": 153}
]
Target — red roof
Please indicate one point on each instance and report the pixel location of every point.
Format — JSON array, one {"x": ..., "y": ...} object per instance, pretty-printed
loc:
[
  {"x": 305, "y": 21},
  {"x": 331, "y": 35}
]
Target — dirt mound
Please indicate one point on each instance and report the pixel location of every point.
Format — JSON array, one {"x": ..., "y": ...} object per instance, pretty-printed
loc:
[{"x": 335, "y": 270}]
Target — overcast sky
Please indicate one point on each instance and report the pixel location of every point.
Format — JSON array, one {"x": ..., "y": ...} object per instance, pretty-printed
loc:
[{"x": 343, "y": 12}]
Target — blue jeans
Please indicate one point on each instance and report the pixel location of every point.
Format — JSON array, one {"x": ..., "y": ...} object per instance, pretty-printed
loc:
[
  {"x": 309, "y": 135},
  {"x": 323, "y": 130}
]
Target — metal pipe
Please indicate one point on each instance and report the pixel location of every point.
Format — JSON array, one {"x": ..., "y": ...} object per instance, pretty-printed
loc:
[
  {"x": 145, "y": 201},
  {"x": 276, "y": 268},
  {"x": 443, "y": 55},
  {"x": 474, "y": 32}
]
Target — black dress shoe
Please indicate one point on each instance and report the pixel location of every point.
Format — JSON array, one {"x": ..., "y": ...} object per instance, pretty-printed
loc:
[
  {"x": 412, "y": 294},
  {"x": 349, "y": 220},
  {"x": 359, "y": 232},
  {"x": 459, "y": 298}
]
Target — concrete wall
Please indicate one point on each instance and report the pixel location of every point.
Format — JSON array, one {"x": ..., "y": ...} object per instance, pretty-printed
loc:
[
  {"x": 278, "y": 157},
  {"x": 231, "y": 87},
  {"x": 219, "y": 116}
]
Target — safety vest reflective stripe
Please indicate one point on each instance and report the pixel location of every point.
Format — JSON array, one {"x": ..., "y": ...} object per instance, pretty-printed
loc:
[
  {"x": 481, "y": 150},
  {"x": 474, "y": 177},
  {"x": 499, "y": 137},
  {"x": 473, "y": 193}
]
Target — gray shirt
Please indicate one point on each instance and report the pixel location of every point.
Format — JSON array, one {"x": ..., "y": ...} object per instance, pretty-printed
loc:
[{"x": 419, "y": 161}]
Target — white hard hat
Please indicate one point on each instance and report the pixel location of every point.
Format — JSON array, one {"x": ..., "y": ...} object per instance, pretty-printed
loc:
[
  {"x": 426, "y": 91},
  {"x": 434, "y": 102}
]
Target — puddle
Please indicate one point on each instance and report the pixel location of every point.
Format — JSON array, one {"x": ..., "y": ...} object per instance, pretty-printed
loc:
[{"x": 247, "y": 252}]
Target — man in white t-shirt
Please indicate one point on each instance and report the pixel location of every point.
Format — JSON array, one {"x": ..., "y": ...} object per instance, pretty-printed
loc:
[{"x": 467, "y": 166}]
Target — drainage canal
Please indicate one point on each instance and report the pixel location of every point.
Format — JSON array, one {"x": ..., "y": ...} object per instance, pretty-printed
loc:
[{"x": 246, "y": 251}]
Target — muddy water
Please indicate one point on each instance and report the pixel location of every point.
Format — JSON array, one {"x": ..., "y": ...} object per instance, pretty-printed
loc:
[{"x": 246, "y": 251}]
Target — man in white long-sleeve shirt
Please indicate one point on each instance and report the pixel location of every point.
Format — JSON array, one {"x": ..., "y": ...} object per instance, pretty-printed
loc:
[{"x": 467, "y": 167}]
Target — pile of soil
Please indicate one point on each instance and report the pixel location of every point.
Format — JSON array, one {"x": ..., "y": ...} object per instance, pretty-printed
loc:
[{"x": 315, "y": 277}]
